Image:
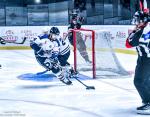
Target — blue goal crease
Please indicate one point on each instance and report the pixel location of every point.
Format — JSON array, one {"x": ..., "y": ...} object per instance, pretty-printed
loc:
[{"x": 46, "y": 77}]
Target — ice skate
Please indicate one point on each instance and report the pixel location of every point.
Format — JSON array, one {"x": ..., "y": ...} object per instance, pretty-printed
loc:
[
  {"x": 144, "y": 109},
  {"x": 73, "y": 73},
  {"x": 66, "y": 81}
]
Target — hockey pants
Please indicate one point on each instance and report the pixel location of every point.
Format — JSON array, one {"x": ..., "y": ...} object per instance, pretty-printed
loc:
[{"x": 142, "y": 78}]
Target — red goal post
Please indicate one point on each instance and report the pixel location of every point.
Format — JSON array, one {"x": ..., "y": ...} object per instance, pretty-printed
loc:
[
  {"x": 94, "y": 54},
  {"x": 93, "y": 49}
]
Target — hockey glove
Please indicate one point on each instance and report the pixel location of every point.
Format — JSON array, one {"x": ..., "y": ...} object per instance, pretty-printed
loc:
[{"x": 54, "y": 55}]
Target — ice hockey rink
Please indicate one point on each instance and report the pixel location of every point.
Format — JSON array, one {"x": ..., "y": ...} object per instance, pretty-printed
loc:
[{"x": 113, "y": 97}]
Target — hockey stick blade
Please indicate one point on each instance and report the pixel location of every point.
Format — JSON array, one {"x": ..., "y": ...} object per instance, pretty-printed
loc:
[
  {"x": 90, "y": 87},
  {"x": 87, "y": 87}
]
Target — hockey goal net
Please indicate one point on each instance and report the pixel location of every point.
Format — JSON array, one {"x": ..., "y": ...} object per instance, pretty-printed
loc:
[{"x": 94, "y": 54}]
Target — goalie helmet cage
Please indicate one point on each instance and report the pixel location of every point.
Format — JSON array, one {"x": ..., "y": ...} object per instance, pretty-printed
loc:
[{"x": 95, "y": 46}]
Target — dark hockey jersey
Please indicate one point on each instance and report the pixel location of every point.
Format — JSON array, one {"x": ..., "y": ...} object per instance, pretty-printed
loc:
[{"x": 140, "y": 39}]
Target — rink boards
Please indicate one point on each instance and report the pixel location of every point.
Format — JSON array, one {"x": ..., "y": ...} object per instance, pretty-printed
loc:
[{"x": 17, "y": 33}]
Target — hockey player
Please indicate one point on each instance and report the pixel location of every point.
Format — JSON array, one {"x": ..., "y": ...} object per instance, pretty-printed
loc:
[
  {"x": 75, "y": 23},
  {"x": 45, "y": 53},
  {"x": 140, "y": 38},
  {"x": 64, "y": 50}
]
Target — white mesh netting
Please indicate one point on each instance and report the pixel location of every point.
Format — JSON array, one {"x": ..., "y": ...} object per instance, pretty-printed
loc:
[{"x": 106, "y": 61}]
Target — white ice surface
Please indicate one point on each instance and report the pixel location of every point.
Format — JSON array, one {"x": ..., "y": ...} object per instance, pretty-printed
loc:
[{"x": 21, "y": 98}]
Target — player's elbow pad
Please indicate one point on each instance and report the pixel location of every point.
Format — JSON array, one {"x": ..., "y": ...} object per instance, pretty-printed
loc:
[
  {"x": 133, "y": 39},
  {"x": 128, "y": 44},
  {"x": 133, "y": 43}
]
